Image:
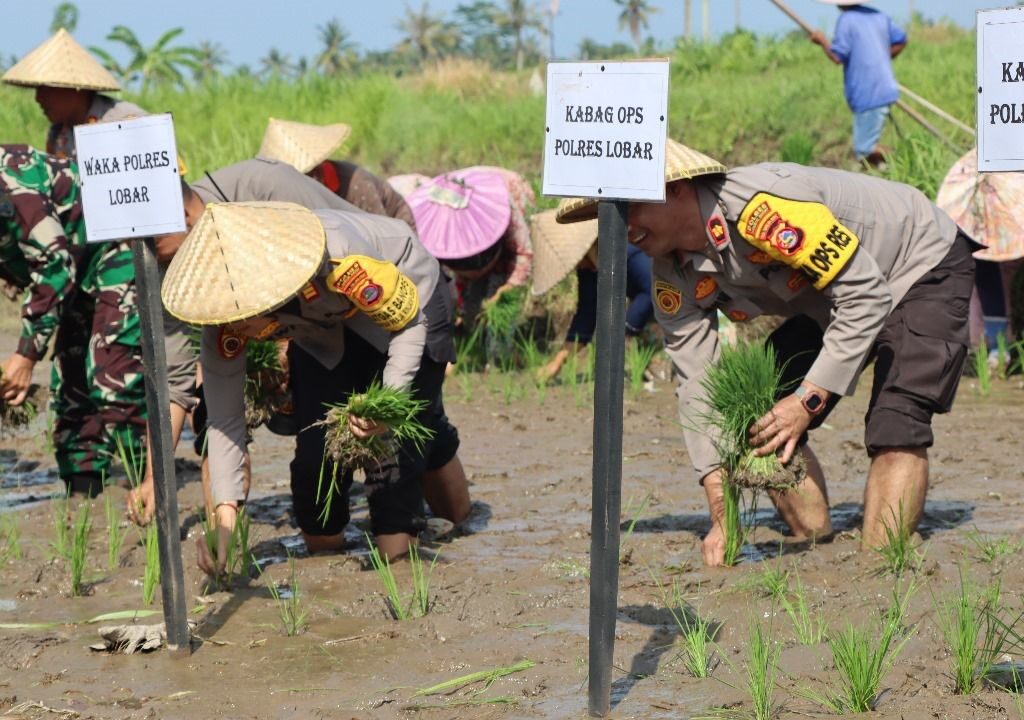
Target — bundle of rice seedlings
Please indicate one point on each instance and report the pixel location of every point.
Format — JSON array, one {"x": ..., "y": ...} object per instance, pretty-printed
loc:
[
  {"x": 18, "y": 417},
  {"x": 501, "y": 318},
  {"x": 739, "y": 390},
  {"x": 264, "y": 378},
  {"x": 385, "y": 405}
]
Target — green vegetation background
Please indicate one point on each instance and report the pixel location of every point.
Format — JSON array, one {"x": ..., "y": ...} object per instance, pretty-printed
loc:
[{"x": 744, "y": 99}]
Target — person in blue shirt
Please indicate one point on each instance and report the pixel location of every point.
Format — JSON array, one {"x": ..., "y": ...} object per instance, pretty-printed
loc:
[{"x": 864, "y": 43}]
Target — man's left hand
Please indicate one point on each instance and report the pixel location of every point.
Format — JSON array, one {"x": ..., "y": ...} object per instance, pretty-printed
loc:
[
  {"x": 364, "y": 428},
  {"x": 780, "y": 428},
  {"x": 17, "y": 376}
]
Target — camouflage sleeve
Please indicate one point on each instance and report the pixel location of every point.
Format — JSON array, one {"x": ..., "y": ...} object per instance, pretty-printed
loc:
[{"x": 52, "y": 270}]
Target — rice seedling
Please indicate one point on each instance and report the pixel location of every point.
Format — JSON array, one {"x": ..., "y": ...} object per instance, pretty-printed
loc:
[
  {"x": 809, "y": 627},
  {"x": 500, "y": 317},
  {"x": 736, "y": 530},
  {"x": 863, "y": 657},
  {"x": 468, "y": 356},
  {"x": 466, "y": 388},
  {"x": 132, "y": 454},
  {"x": 385, "y": 405},
  {"x": 899, "y": 552},
  {"x": 634, "y": 510},
  {"x": 697, "y": 632},
  {"x": 992, "y": 547},
  {"x": 768, "y": 583},
  {"x": 638, "y": 357},
  {"x": 79, "y": 547},
  {"x": 151, "y": 573},
  {"x": 289, "y": 604},
  {"x": 418, "y": 603},
  {"x": 10, "y": 539},
  {"x": 969, "y": 624},
  {"x": 529, "y": 352},
  {"x": 61, "y": 544},
  {"x": 762, "y": 668},
  {"x": 239, "y": 555},
  {"x": 19, "y": 417},
  {"x": 1002, "y": 356},
  {"x": 115, "y": 533},
  {"x": 981, "y": 369},
  {"x": 487, "y": 677},
  {"x": 739, "y": 390}
]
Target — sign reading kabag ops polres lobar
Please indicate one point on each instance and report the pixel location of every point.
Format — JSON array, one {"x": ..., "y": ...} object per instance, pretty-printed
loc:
[
  {"x": 1001, "y": 90},
  {"x": 605, "y": 130}
]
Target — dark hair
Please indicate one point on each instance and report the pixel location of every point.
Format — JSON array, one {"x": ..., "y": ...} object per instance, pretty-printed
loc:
[{"x": 479, "y": 261}]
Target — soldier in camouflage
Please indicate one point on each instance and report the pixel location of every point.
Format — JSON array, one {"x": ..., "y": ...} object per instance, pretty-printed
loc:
[{"x": 81, "y": 296}]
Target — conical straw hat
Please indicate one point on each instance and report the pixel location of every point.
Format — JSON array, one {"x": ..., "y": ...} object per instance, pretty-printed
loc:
[
  {"x": 242, "y": 260},
  {"x": 61, "y": 62},
  {"x": 302, "y": 145},
  {"x": 681, "y": 163},
  {"x": 557, "y": 249}
]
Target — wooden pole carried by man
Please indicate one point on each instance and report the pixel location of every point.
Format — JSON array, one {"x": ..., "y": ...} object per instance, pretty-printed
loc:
[{"x": 605, "y": 139}]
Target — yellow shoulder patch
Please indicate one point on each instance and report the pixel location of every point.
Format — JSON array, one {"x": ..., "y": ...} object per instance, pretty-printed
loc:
[
  {"x": 804, "y": 235},
  {"x": 377, "y": 288},
  {"x": 668, "y": 297}
]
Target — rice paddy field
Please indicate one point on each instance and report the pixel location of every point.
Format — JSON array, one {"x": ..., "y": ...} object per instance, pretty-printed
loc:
[{"x": 491, "y": 622}]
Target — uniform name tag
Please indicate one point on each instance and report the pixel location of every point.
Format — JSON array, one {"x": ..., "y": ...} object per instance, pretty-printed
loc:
[
  {"x": 377, "y": 288},
  {"x": 804, "y": 235}
]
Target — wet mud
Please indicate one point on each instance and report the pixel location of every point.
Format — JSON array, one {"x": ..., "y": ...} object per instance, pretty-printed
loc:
[{"x": 513, "y": 584}]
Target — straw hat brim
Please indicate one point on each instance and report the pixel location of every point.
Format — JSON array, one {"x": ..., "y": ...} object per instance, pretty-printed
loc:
[
  {"x": 302, "y": 145},
  {"x": 557, "y": 248},
  {"x": 61, "y": 62},
  {"x": 242, "y": 260},
  {"x": 681, "y": 163}
]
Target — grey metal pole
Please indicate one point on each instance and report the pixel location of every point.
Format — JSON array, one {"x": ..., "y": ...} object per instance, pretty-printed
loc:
[
  {"x": 610, "y": 341},
  {"x": 158, "y": 406}
]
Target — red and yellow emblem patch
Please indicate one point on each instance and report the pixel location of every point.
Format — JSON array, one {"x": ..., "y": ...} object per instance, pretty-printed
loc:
[
  {"x": 759, "y": 257},
  {"x": 230, "y": 344},
  {"x": 377, "y": 288},
  {"x": 717, "y": 232},
  {"x": 797, "y": 281},
  {"x": 309, "y": 292},
  {"x": 804, "y": 235},
  {"x": 737, "y": 316},
  {"x": 705, "y": 287},
  {"x": 668, "y": 298}
]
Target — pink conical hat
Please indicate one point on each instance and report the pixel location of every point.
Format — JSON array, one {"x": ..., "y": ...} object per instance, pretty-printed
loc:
[{"x": 461, "y": 213}]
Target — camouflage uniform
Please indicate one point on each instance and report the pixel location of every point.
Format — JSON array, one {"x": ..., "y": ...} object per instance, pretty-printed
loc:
[{"x": 83, "y": 294}]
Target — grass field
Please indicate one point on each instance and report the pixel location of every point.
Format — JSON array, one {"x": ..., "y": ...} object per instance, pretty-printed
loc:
[{"x": 744, "y": 99}]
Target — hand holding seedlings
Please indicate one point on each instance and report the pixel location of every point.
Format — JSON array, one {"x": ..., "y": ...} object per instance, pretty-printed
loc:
[
  {"x": 16, "y": 378},
  {"x": 364, "y": 428},
  {"x": 226, "y": 515},
  {"x": 781, "y": 427}
]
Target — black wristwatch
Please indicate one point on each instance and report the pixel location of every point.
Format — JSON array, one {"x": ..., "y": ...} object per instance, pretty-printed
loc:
[{"x": 812, "y": 400}]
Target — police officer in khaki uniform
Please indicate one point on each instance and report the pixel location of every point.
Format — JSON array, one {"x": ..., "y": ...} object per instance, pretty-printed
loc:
[
  {"x": 864, "y": 269},
  {"x": 69, "y": 84},
  {"x": 359, "y": 297}
]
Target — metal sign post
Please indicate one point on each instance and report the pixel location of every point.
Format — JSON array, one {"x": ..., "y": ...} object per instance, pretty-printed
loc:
[
  {"x": 131, "y": 189},
  {"x": 158, "y": 404},
  {"x": 605, "y": 132},
  {"x": 609, "y": 377}
]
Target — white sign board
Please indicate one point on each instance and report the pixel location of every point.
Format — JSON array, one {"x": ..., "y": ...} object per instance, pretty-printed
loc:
[
  {"x": 130, "y": 182},
  {"x": 1001, "y": 90},
  {"x": 604, "y": 136}
]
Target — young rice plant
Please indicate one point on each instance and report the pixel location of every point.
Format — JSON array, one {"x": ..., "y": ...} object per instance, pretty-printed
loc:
[
  {"x": 115, "y": 533},
  {"x": 969, "y": 622},
  {"x": 289, "y": 604},
  {"x": 418, "y": 603},
  {"x": 638, "y": 357},
  {"x": 79, "y": 547},
  {"x": 151, "y": 573}
]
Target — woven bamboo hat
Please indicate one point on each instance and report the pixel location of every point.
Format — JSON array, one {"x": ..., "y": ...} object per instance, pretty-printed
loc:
[
  {"x": 681, "y": 163},
  {"x": 61, "y": 62},
  {"x": 302, "y": 145},
  {"x": 242, "y": 260},
  {"x": 557, "y": 249}
]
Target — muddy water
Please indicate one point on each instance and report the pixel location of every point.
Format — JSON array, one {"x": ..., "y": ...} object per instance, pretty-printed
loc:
[{"x": 515, "y": 586}]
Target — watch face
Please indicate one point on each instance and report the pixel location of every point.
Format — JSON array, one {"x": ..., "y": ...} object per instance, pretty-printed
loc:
[{"x": 813, "y": 402}]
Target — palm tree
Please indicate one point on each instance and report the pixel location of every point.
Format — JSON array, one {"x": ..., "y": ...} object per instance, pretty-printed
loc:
[
  {"x": 157, "y": 64},
  {"x": 65, "y": 16},
  {"x": 276, "y": 64},
  {"x": 211, "y": 57},
  {"x": 427, "y": 35},
  {"x": 339, "y": 52},
  {"x": 517, "y": 18},
  {"x": 634, "y": 15}
]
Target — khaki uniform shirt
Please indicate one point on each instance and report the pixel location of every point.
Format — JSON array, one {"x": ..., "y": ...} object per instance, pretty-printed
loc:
[
  {"x": 375, "y": 279},
  {"x": 249, "y": 180},
  {"x": 784, "y": 239},
  {"x": 60, "y": 140}
]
